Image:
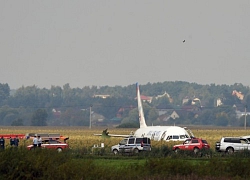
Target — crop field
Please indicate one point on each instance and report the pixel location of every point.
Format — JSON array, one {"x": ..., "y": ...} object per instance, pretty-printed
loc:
[
  {"x": 83, "y": 137},
  {"x": 81, "y": 162}
]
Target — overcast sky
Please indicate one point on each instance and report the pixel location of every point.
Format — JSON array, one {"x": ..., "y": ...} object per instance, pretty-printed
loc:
[{"x": 88, "y": 42}]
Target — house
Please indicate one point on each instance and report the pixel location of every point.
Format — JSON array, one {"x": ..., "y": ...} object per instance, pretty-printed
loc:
[
  {"x": 146, "y": 98},
  {"x": 239, "y": 95},
  {"x": 219, "y": 102},
  {"x": 239, "y": 114},
  {"x": 185, "y": 100},
  {"x": 174, "y": 115},
  {"x": 164, "y": 118},
  {"x": 165, "y": 94},
  {"x": 56, "y": 113},
  {"x": 97, "y": 119},
  {"x": 169, "y": 114},
  {"x": 195, "y": 100}
]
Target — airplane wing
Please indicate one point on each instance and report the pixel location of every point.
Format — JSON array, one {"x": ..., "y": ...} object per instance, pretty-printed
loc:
[
  {"x": 105, "y": 133},
  {"x": 113, "y": 135}
]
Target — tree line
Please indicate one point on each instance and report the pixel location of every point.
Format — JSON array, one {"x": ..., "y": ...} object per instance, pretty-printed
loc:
[{"x": 194, "y": 103}]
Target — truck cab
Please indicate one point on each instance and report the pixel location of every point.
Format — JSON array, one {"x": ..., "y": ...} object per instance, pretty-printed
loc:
[{"x": 132, "y": 145}]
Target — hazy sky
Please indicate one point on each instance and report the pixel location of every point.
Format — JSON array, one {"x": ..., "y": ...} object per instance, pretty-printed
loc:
[{"x": 88, "y": 42}]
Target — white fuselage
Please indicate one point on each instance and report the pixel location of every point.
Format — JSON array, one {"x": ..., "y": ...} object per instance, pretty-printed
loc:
[
  {"x": 158, "y": 133},
  {"x": 167, "y": 133}
]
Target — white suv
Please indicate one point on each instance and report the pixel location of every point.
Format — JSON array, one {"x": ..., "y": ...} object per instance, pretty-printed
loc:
[
  {"x": 132, "y": 145},
  {"x": 232, "y": 144}
]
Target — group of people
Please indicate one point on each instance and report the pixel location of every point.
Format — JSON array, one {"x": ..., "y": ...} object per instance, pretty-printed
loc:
[
  {"x": 37, "y": 141},
  {"x": 13, "y": 142}
]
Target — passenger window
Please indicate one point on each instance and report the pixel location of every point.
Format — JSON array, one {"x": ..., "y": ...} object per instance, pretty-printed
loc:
[
  {"x": 195, "y": 141},
  {"x": 243, "y": 141},
  {"x": 131, "y": 141},
  {"x": 236, "y": 141},
  {"x": 138, "y": 140},
  {"x": 175, "y": 137},
  {"x": 53, "y": 142},
  {"x": 146, "y": 140}
]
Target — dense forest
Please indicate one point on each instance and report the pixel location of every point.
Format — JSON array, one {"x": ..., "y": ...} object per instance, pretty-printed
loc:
[{"x": 165, "y": 103}]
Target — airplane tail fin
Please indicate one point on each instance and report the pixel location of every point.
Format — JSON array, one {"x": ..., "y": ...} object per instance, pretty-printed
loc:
[{"x": 140, "y": 108}]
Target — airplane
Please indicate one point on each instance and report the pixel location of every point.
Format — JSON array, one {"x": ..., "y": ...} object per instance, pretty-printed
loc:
[{"x": 156, "y": 133}]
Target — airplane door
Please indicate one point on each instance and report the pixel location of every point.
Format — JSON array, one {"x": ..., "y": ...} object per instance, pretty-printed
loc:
[{"x": 163, "y": 135}]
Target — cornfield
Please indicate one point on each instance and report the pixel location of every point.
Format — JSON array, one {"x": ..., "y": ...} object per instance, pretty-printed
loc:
[{"x": 83, "y": 137}]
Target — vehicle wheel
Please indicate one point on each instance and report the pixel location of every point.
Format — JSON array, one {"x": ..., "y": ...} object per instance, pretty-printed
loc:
[
  {"x": 59, "y": 149},
  {"x": 176, "y": 150},
  {"x": 136, "y": 151},
  {"x": 196, "y": 150},
  {"x": 115, "y": 151},
  {"x": 230, "y": 150}
]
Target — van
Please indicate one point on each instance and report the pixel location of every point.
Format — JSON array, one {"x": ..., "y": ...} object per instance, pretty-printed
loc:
[{"x": 132, "y": 145}]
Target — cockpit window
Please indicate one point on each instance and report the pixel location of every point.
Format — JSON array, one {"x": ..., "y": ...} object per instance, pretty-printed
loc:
[
  {"x": 182, "y": 137},
  {"x": 169, "y": 137}
]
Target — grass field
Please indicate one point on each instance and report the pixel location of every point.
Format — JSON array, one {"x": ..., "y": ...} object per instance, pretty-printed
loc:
[
  {"x": 82, "y": 137},
  {"x": 82, "y": 163}
]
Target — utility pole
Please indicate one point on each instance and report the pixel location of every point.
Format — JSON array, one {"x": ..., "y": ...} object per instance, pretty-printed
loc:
[
  {"x": 90, "y": 112},
  {"x": 245, "y": 124}
]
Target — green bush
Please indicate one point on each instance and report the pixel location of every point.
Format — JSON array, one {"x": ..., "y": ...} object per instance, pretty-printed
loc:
[{"x": 161, "y": 163}]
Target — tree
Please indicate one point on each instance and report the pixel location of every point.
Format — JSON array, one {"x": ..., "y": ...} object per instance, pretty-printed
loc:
[
  {"x": 152, "y": 115},
  {"x": 74, "y": 117},
  {"x": 39, "y": 118},
  {"x": 162, "y": 103},
  {"x": 222, "y": 119},
  {"x": 242, "y": 121},
  {"x": 4, "y": 92},
  {"x": 7, "y": 115},
  {"x": 206, "y": 118},
  {"x": 132, "y": 117},
  {"x": 17, "y": 122}
]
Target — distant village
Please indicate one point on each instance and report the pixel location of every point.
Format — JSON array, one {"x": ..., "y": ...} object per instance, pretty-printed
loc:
[{"x": 166, "y": 114}]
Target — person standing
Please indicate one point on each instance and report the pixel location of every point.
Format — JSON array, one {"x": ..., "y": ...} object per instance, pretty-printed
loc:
[
  {"x": 39, "y": 141},
  {"x": 16, "y": 141},
  {"x": 2, "y": 142},
  {"x": 35, "y": 142},
  {"x": 12, "y": 141}
]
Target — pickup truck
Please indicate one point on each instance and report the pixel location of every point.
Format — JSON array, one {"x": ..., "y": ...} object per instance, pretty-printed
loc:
[{"x": 132, "y": 145}]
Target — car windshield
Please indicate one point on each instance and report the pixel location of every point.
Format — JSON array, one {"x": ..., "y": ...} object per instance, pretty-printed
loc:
[
  {"x": 187, "y": 141},
  {"x": 204, "y": 141},
  {"x": 123, "y": 142}
]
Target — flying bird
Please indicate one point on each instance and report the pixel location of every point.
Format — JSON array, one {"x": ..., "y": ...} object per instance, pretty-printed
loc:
[{"x": 183, "y": 41}]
